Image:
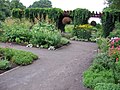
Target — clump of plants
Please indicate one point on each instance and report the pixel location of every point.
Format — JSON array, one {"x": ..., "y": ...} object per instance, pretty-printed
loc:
[
  {"x": 40, "y": 35},
  {"x": 10, "y": 57},
  {"x": 105, "y": 68},
  {"x": 83, "y": 32}
]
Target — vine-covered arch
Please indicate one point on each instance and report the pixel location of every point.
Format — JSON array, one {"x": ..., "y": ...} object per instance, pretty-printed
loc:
[{"x": 109, "y": 18}]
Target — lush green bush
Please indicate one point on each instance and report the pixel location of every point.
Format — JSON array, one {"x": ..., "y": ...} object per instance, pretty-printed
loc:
[
  {"x": 103, "y": 60},
  {"x": 64, "y": 41},
  {"x": 83, "y": 32},
  {"x": 91, "y": 78},
  {"x": 117, "y": 25},
  {"x": 99, "y": 72},
  {"x": 23, "y": 58},
  {"x": 115, "y": 33},
  {"x": 4, "y": 64},
  {"x": 17, "y": 56},
  {"x": 41, "y": 34},
  {"x": 103, "y": 44},
  {"x": 107, "y": 86},
  {"x": 69, "y": 28}
]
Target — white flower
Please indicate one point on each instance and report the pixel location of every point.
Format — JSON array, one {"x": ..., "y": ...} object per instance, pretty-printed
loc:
[
  {"x": 29, "y": 45},
  {"x": 51, "y": 48}
]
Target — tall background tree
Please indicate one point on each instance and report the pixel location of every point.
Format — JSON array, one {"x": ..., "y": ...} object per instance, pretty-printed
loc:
[
  {"x": 16, "y": 4},
  {"x": 41, "y": 4},
  {"x": 114, "y": 4},
  {"x": 4, "y": 9}
]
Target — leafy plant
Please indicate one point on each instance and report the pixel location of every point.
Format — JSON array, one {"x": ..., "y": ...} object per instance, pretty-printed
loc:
[
  {"x": 107, "y": 86},
  {"x": 103, "y": 44},
  {"x": 4, "y": 64},
  {"x": 81, "y": 16}
]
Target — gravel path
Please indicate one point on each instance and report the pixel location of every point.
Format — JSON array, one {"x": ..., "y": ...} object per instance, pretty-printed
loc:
[{"x": 55, "y": 70}]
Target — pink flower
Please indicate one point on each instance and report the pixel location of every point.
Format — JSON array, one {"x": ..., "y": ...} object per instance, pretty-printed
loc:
[
  {"x": 112, "y": 47},
  {"x": 117, "y": 59}
]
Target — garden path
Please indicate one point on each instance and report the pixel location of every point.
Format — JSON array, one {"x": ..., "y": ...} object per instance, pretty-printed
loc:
[{"x": 55, "y": 70}]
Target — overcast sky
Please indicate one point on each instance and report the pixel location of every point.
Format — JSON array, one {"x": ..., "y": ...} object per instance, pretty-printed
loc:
[{"x": 92, "y": 5}]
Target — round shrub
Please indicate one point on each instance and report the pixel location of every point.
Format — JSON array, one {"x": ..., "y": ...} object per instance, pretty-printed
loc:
[
  {"x": 66, "y": 20},
  {"x": 4, "y": 64}
]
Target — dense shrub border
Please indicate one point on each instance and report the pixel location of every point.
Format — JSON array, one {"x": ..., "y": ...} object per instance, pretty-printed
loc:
[
  {"x": 40, "y": 35},
  {"x": 104, "y": 73},
  {"x": 9, "y": 58}
]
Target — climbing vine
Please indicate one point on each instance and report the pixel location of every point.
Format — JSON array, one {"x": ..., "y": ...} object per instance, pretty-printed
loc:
[
  {"x": 81, "y": 16},
  {"x": 39, "y": 13},
  {"x": 109, "y": 18},
  {"x": 18, "y": 13}
]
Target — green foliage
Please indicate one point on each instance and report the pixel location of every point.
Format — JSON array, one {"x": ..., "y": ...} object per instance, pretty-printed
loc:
[
  {"x": 41, "y": 34},
  {"x": 100, "y": 71},
  {"x": 64, "y": 41},
  {"x": 44, "y": 34},
  {"x": 109, "y": 17},
  {"x": 15, "y": 56},
  {"x": 114, "y": 4},
  {"x": 4, "y": 64},
  {"x": 117, "y": 25},
  {"x": 39, "y": 13},
  {"x": 17, "y": 13},
  {"x": 83, "y": 32},
  {"x": 81, "y": 16},
  {"x": 16, "y": 4},
  {"x": 91, "y": 78},
  {"x": 107, "y": 86},
  {"x": 103, "y": 61},
  {"x": 4, "y": 9},
  {"x": 115, "y": 33},
  {"x": 23, "y": 58},
  {"x": 103, "y": 44},
  {"x": 41, "y": 4},
  {"x": 69, "y": 28}
]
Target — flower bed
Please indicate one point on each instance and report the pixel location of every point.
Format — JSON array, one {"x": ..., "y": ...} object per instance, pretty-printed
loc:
[{"x": 10, "y": 58}]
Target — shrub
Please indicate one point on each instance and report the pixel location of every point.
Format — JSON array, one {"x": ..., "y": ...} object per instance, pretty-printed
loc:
[
  {"x": 41, "y": 34},
  {"x": 17, "y": 56},
  {"x": 83, "y": 32},
  {"x": 103, "y": 44},
  {"x": 103, "y": 60},
  {"x": 4, "y": 64},
  {"x": 23, "y": 58},
  {"x": 115, "y": 33},
  {"x": 107, "y": 86},
  {"x": 69, "y": 28},
  {"x": 64, "y": 41},
  {"x": 91, "y": 78}
]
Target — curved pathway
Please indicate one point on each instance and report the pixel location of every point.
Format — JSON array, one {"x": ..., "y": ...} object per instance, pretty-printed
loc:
[{"x": 55, "y": 70}]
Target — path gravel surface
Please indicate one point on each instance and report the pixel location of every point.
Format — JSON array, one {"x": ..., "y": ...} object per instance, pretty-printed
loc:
[{"x": 60, "y": 69}]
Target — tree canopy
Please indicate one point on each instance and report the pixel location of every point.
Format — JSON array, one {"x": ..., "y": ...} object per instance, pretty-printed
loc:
[
  {"x": 114, "y": 4},
  {"x": 16, "y": 4},
  {"x": 4, "y": 9},
  {"x": 41, "y": 4}
]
